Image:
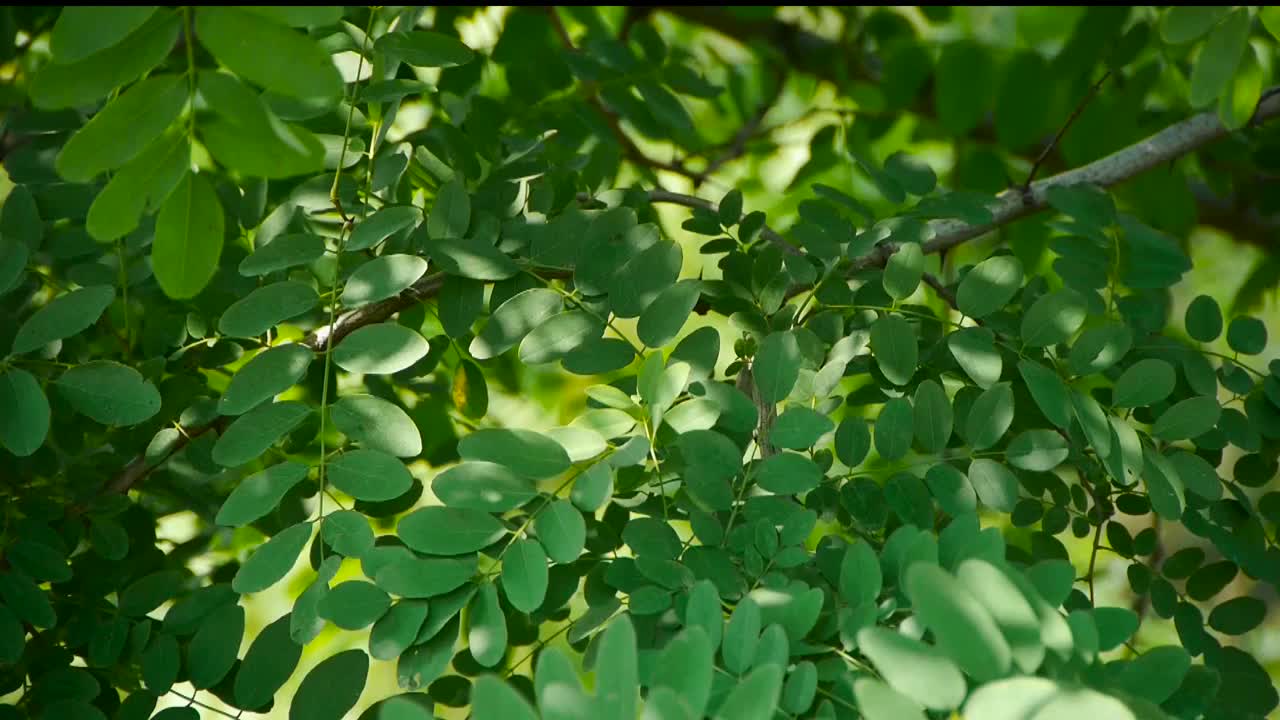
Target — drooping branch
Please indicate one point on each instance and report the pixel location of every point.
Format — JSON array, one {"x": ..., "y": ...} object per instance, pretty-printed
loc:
[{"x": 1168, "y": 145}]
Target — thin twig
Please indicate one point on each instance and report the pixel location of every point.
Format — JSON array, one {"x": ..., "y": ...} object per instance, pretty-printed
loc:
[
  {"x": 738, "y": 145},
  {"x": 1057, "y": 138}
]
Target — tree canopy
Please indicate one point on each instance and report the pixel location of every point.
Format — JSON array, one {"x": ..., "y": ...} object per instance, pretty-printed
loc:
[{"x": 663, "y": 362}]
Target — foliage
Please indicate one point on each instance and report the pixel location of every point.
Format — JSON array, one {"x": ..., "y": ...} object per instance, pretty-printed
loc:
[{"x": 280, "y": 276}]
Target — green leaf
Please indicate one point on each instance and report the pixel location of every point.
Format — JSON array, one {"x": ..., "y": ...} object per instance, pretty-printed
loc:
[
  {"x": 423, "y": 48},
  {"x": 110, "y": 393},
  {"x": 1037, "y": 450},
  {"x": 878, "y": 701},
  {"x": 449, "y": 531},
  {"x": 685, "y": 667},
  {"x": 377, "y": 425},
  {"x": 788, "y": 473},
  {"x": 964, "y": 86},
  {"x": 414, "y": 577},
  {"x": 1182, "y": 24},
  {"x": 213, "y": 650},
  {"x": 305, "y": 622},
  {"x": 853, "y": 441},
  {"x": 481, "y": 485},
  {"x": 776, "y": 367},
  {"x": 381, "y": 278},
  {"x": 246, "y": 136},
  {"x": 1048, "y": 390},
  {"x": 256, "y": 431},
  {"x": 513, "y": 320},
  {"x": 123, "y": 128},
  {"x": 1196, "y": 474},
  {"x": 1155, "y": 674},
  {"x": 79, "y": 83},
  {"x": 348, "y": 533},
  {"x": 524, "y": 575},
  {"x": 82, "y": 31},
  {"x": 1219, "y": 58},
  {"x": 860, "y": 577},
  {"x": 755, "y": 697},
  {"x": 1247, "y": 335},
  {"x": 474, "y": 258},
  {"x": 961, "y": 627},
  {"x": 188, "y": 238},
  {"x": 933, "y": 416},
  {"x": 560, "y": 336},
  {"x": 300, "y": 15},
  {"x": 525, "y": 452},
  {"x": 267, "y": 665},
  {"x": 990, "y": 416},
  {"x": 380, "y": 349},
  {"x": 493, "y": 699},
  {"x": 1146, "y": 382},
  {"x": 375, "y": 229},
  {"x": 25, "y": 421},
  {"x": 271, "y": 561},
  {"x": 617, "y": 671},
  {"x": 1164, "y": 486},
  {"x": 1115, "y": 626},
  {"x": 799, "y": 428},
  {"x": 149, "y": 592},
  {"x": 1053, "y": 318},
  {"x": 142, "y": 185},
  {"x": 259, "y": 494},
  {"x": 1098, "y": 348},
  {"x": 914, "y": 175},
  {"x": 1187, "y": 419},
  {"x": 661, "y": 321},
  {"x": 268, "y": 374},
  {"x": 741, "y": 636},
  {"x": 27, "y": 600},
  {"x": 451, "y": 213},
  {"x": 64, "y": 316},
  {"x": 995, "y": 485},
  {"x": 1238, "y": 616},
  {"x": 1084, "y": 201},
  {"x": 370, "y": 475},
  {"x": 893, "y": 343},
  {"x": 460, "y": 303},
  {"x": 331, "y": 688},
  {"x": 266, "y": 307},
  {"x": 642, "y": 278},
  {"x": 13, "y": 637},
  {"x": 301, "y": 69},
  {"x": 1203, "y": 318},
  {"x": 396, "y": 631},
  {"x": 354, "y": 605},
  {"x": 989, "y": 286},
  {"x": 975, "y": 351},
  {"x": 895, "y": 427},
  {"x": 282, "y": 253},
  {"x": 1236, "y": 106},
  {"x": 903, "y": 271},
  {"x": 13, "y": 261},
  {"x": 561, "y": 530},
  {"x": 487, "y": 627},
  {"x": 951, "y": 489},
  {"x": 913, "y": 668}
]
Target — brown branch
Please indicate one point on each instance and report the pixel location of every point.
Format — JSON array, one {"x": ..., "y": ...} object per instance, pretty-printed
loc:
[
  {"x": 1169, "y": 144},
  {"x": 1057, "y": 138}
]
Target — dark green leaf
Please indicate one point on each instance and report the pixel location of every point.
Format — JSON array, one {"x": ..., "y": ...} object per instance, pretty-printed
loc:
[
  {"x": 331, "y": 688},
  {"x": 110, "y": 393},
  {"x": 449, "y": 531}
]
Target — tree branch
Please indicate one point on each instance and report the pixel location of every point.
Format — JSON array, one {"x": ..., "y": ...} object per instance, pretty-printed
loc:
[
  {"x": 1165, "y": 146},
  {"x": 1171, "y": 143}
]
